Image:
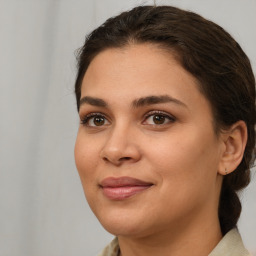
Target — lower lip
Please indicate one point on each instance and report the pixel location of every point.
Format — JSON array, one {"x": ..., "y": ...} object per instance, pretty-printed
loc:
[{"x": 121, "y": 193}]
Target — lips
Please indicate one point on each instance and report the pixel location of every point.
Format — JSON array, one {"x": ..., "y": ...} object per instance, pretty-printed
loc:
[{"x": 123, "y": 187}]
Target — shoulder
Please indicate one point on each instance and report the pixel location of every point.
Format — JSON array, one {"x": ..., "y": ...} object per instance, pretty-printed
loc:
[
  {"x": 230, "y": 245},
  {"x": 111, "y": 249}
]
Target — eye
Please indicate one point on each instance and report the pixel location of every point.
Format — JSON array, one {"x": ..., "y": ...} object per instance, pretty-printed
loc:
[
  {"x": 158, "y": 118},
  {"x": 94, "y": 120}
]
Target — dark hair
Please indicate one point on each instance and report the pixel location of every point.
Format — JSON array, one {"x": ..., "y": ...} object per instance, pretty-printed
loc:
[{"x": 211, "y": 55}]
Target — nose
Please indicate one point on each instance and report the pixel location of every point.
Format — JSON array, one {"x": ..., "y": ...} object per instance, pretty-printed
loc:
[{"x": 121, "y": 147}]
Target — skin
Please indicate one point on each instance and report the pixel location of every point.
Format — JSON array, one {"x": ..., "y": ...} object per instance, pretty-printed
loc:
[{"x": 183, "y": 157}]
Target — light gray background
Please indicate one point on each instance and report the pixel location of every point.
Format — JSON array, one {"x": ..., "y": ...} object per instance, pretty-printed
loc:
[{"x": 42, "y": 206}]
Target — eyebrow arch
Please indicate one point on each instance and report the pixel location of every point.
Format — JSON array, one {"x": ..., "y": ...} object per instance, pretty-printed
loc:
[
  {"x": 93, "y": 101},
  {"x": 144, "y": 101},
  {"x": 150, "y": 100}
]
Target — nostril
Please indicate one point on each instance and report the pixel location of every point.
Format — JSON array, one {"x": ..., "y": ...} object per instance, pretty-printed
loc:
[
  {"x": 119, "y": 161},
  {"x": 124, "y": 158},
  {"x": 105, "y": 158}
]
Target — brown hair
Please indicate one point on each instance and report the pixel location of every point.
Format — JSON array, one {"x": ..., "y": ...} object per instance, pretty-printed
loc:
[{"x": 211, "y": 55}]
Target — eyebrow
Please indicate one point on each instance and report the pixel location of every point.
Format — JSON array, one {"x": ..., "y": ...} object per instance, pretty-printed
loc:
[
  {"x": 150, "y": 100},
  {"x": 144, "y": 101},
  {"x": 93, "y": 101}
]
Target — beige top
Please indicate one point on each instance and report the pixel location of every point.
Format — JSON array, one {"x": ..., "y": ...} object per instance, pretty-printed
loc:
[{"x": 230, "y": 245}]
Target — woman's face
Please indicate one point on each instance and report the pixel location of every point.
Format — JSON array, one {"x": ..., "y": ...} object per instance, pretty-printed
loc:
[{"x": 146, "y": 150}]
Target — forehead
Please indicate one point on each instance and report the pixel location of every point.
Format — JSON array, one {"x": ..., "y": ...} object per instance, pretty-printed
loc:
[
  {"x": 139, "y": 70},
  {"x": 121, "y": 76},
  {"x": 143, "y": 65}
]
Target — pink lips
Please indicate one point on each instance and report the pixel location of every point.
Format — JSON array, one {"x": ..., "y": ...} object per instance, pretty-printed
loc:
[{"x": 123, "y": 187}]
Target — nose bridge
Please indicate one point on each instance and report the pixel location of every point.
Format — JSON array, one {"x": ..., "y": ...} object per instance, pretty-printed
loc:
[
  {"x": 118, "y": 134},
  {"x": 120, "y": 144}
]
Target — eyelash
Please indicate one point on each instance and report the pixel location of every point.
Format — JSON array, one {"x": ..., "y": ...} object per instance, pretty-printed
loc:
[
  {"x": 160, "y": 113},
  {"x": 85, "y": 120}
]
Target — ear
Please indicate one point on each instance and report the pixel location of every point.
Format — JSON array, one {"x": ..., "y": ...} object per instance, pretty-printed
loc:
[{"x": 234, "y": 141}]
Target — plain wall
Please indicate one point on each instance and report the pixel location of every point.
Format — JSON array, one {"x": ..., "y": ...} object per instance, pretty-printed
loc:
[{"x": 42, "y": 207}]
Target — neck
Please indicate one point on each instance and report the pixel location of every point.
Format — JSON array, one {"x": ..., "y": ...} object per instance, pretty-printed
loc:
[{"x": 182, "y": 240}]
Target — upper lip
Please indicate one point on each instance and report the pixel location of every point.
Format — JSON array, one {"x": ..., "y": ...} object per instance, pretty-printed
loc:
[{"x": 123, "y": 182}]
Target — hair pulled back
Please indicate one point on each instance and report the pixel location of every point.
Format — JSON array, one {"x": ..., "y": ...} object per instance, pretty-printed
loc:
[{"x": 211, "y": 55}]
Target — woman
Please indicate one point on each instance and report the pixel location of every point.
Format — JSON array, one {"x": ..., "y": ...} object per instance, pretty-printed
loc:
[{"x": 166, "y": 100}]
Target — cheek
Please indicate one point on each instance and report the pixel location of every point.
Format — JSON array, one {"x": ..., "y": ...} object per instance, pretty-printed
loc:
[
  {"x": 186, "y": 182},
  {"x": 186, "y": 160},
  {"x": 174, "y": 151},
  {"x": 85, "y": 158}
]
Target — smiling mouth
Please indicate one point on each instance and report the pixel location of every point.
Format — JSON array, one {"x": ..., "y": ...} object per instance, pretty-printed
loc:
[{"x": 123, "y": 187}]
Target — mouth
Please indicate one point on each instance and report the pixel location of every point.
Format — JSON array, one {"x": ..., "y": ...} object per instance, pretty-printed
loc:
[{"x": 123, "y": 187}]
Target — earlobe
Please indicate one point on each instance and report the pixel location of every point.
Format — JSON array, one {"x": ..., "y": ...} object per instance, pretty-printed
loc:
[{"x": 235, "y": 139}]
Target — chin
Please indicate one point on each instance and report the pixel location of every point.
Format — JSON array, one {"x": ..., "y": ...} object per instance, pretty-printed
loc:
[{"x": 121, "y": 224}]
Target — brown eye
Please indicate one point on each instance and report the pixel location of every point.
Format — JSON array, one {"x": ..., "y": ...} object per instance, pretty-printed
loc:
[
  {"x": 99, "y": 120},
  {"x": 156, "y": 118},
  {"x": 159, "y": 119},
  {"x": 94, "y": 120}
]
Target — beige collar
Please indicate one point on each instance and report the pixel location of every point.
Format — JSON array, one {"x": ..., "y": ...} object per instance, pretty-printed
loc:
[{"x": 230, "y": 245}]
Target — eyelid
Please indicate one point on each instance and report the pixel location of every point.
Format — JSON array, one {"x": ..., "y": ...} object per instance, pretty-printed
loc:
[
  {"x": 85, "y": 118},
  {"x": 159, "y": 112}
]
